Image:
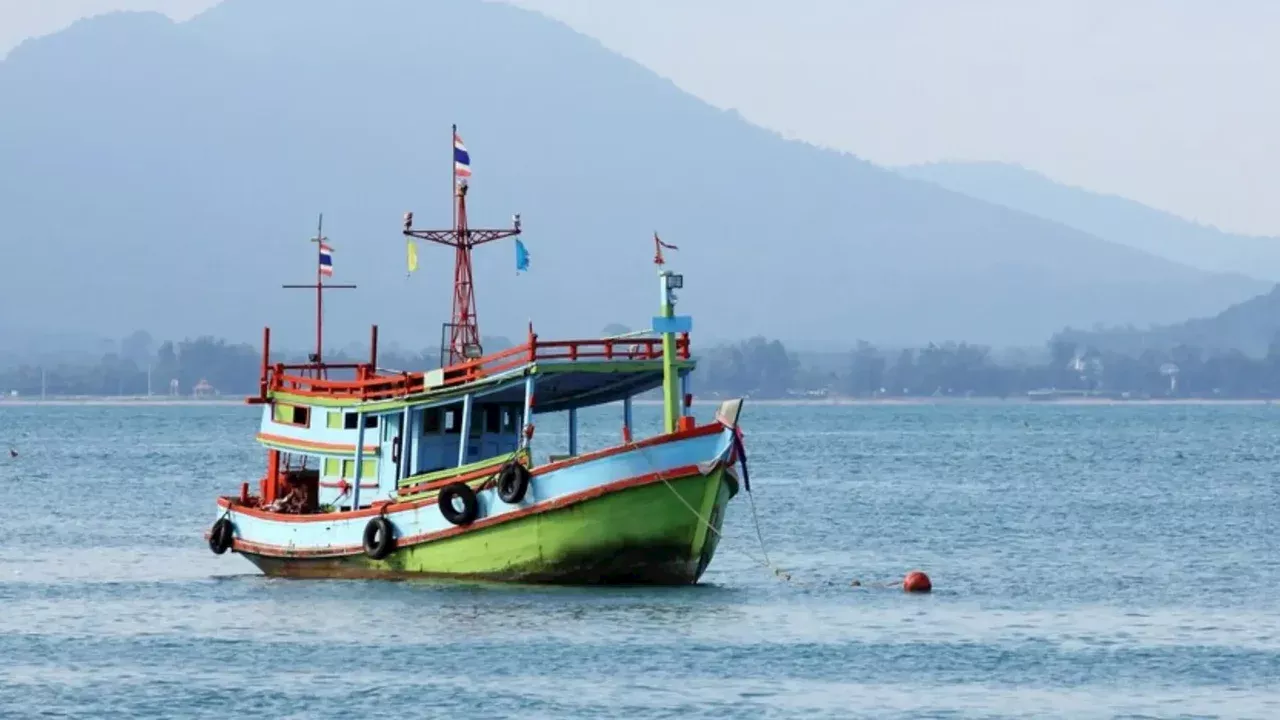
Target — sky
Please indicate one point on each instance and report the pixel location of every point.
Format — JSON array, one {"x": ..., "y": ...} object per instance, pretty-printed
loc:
[{"x": 1169, "y": 102}]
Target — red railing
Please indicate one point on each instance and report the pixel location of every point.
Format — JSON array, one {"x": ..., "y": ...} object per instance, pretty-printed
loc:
[{"x": 368, "y": 384}]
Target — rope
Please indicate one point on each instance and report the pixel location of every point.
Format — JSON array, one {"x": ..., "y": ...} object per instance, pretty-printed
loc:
[
  {"x": 755, "y": 520},
  {"x": 746, "y": 483},
  {"x": 766, "y": 563},
  {"x": 858, "y": 583}
]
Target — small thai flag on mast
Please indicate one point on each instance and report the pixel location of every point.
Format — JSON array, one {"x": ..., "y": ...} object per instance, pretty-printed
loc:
[
  {"x": 326, "y": 259},
  {"x": 657, "y": 249},
  {"x": 461, "y": 159}
]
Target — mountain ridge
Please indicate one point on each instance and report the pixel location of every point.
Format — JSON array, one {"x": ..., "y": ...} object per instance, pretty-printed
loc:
[
  {"x": 1108, "y": 216},
  {"x": 184, "y": 199},
  {"x": 1251, "y": 328}
]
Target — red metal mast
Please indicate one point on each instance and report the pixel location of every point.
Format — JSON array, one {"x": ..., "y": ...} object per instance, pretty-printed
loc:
[{"x": 463, "y": 329}]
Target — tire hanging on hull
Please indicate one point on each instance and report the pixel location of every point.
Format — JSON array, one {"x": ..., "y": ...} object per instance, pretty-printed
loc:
[
  {"x": 513, "y": 483},
  {"x": 221, "y": 536},
  {"x": 379, "y": 538},
  {"x": 470, "y": 505}
]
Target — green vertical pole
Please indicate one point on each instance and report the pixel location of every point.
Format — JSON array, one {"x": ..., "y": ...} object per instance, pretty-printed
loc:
[{"x": 670, "y": 381}]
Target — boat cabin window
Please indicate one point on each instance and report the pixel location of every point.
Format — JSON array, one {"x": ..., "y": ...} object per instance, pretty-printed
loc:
[
  {"x": 291, "y": 414},
  {"x": 431, "y": 421},
  {"x": 369, "y": 469},
  {"x": 493, "y": 419},
  {"x": 352, "y": 421},
  {"x": 346, "y": 469},
  {"x": 333, "y": 467},
  {"x": 509, "y": 415},
  {"x": 453, "y": 421}
]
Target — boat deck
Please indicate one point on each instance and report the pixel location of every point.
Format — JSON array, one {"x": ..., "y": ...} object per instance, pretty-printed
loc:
[{"x": 572, "y": 373}]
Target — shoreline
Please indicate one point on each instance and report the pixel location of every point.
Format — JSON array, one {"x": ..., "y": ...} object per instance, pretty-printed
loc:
[
  {"x": 907, "y": 402},
  {"x": 142, "y": 401}
]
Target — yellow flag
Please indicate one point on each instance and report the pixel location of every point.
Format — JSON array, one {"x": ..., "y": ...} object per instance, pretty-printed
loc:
[{"x": 413, "y": 256}]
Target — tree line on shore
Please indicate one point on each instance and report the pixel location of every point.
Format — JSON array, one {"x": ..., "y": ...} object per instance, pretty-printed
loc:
[
  {"x": 757, "y": 367},
  {"x": 763, "y": 368},
  {"x": 137, "y": 367}
]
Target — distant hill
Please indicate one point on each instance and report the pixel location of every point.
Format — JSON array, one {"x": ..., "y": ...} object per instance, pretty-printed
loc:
[
  {"x": 166, "y": 176},
  {"x": 1249, "y": 327},
  {"x": 18, "y": 346},
  {"x": 1109, "y": 217}
]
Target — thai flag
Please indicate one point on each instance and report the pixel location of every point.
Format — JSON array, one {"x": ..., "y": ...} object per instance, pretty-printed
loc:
[
  {"x": 461, "y": 159},
  {"x": 326, "y": 260}
]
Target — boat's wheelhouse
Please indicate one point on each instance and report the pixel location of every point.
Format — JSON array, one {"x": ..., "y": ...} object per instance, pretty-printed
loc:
[{"x": 338, "y": 445}]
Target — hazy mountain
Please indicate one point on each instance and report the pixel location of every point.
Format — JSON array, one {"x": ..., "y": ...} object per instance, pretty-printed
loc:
[
  {"x": 1251, "y": 327},
  {"x": 166, "y": 176},
  {"x": 20, "y": 346},
  {"x": 1109, "y": 217}
]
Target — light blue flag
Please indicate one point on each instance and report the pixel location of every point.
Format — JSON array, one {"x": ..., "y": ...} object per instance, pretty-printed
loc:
[{"x": 522, "y": 257}]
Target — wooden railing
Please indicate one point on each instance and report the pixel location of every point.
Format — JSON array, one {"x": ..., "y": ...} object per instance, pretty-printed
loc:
[{"x": 368, "y": 384}]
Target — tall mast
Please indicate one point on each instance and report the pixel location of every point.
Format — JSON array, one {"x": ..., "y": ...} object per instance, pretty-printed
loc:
[
  {"x": 322, "y": 250},
  {"x": 463, "y": 330},
  {"x": 319, "y": 241},
  {"x": 455, "y": 187}
]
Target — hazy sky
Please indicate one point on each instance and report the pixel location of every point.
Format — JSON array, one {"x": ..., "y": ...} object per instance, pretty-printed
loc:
[{"x": 1171, "y": 102}]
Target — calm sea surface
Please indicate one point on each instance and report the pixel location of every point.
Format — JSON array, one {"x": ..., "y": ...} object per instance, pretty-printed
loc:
[{"x": 1087, "y": 562}]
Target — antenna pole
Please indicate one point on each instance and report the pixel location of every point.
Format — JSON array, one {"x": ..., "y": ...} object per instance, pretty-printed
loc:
[
  {"x": 320, "y": 287},
  {"x": 453, "y": 181}
]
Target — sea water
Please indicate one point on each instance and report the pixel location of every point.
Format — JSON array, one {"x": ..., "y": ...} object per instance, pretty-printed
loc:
[{"x": 1086, "y": 562}]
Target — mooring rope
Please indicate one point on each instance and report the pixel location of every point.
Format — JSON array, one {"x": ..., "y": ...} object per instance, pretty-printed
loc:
[{"x": 766, "y": 563}]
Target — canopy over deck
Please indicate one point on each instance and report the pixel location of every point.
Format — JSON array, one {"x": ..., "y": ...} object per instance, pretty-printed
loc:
[{"x": 571, "y": 374}]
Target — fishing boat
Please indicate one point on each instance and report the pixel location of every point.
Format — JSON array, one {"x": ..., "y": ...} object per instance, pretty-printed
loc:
[{"x": 377, "y": 473}]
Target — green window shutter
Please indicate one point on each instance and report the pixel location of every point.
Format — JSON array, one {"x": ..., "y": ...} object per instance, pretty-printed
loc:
[
  {"x": 282, "y": 413},
  {"x": 370, "y": 468}
]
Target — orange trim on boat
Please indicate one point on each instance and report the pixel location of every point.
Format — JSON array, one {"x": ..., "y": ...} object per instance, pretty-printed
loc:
[
  {"x": 484, "y": 472},
  {"x": 708, "y": 429},
  {"x": 369, "y": 385},
  {"x": 372, "y": 511},
  {"x": 329, "y": 447},
  {"x": 556, "y": 504},
  {"x": 567, "y": 462}
]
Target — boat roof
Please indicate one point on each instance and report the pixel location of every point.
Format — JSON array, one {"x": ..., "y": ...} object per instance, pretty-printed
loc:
[{"x": 571, "y": 374}]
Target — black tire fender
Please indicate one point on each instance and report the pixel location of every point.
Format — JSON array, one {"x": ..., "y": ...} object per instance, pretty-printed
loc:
[
  {"x": 221, "y": 536},
  {"x": 379, "y": 538},
  {"x": 513, "y": 483},
  {"x": 470, "y": 506}
]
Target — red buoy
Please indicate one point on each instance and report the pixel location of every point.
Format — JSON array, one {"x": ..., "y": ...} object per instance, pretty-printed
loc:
[{"x": 916, "y": 582}]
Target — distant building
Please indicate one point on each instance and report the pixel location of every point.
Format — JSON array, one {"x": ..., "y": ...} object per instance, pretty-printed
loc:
[{"x": 203, "y": 389}]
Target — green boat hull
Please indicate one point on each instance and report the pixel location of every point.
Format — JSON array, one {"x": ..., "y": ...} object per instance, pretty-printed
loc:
[{"x": 648, "y": 534}]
